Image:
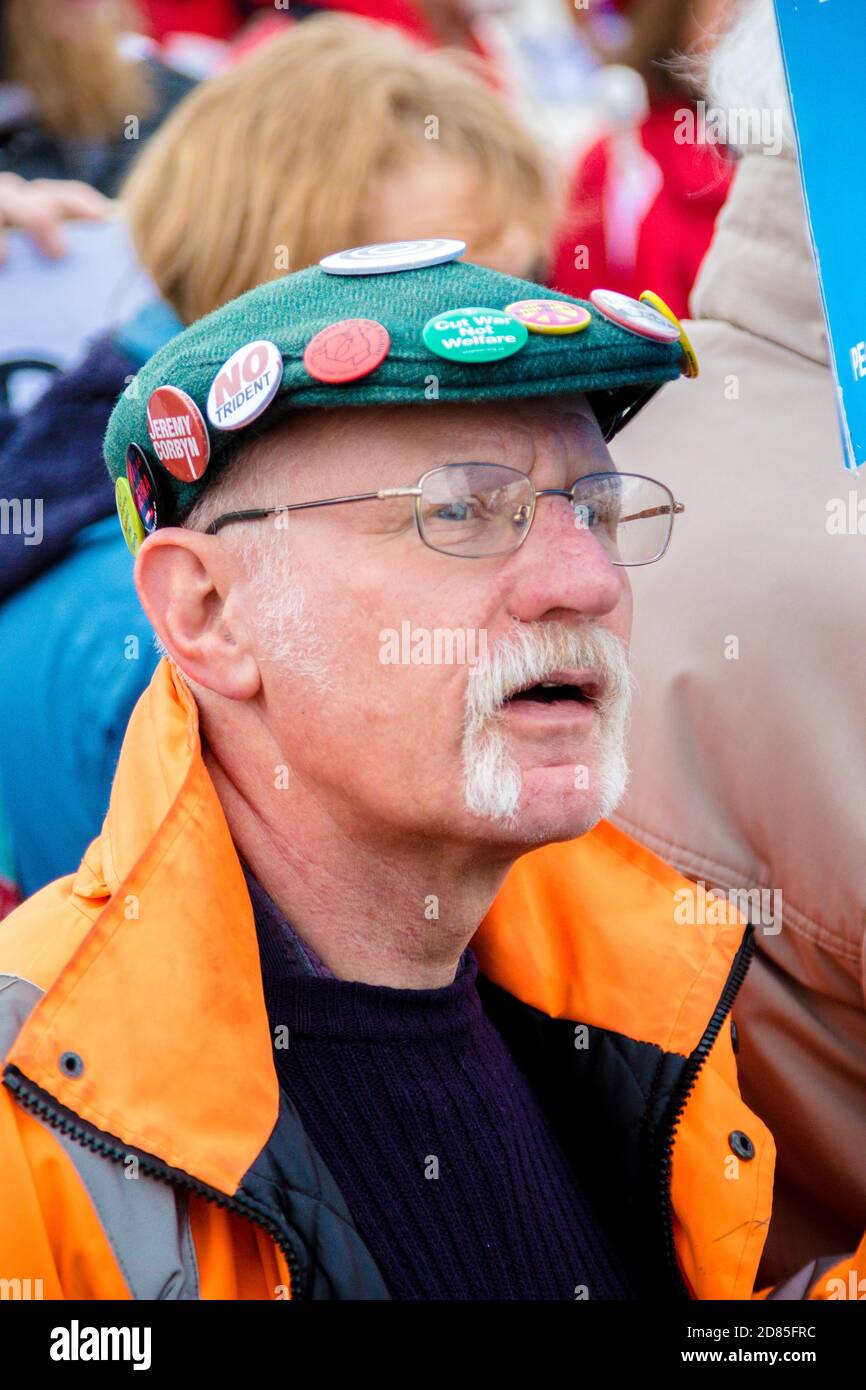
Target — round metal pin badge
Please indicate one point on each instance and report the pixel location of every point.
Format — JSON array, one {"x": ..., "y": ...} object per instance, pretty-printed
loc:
[
  {"x": 550, "y": 316},
  {"x": 641, "y": 319},
  {"x": 690, "y": 357},
  {"x": 178, "y": 433},
  {"x": 347, "y": 351},
  {"x": 130, "y": 522},
  {"x": 474, "y": 335},
  {"x": 381, "y": 258},
  {"x": 142, "y": 485},
  {"x": 245, "y": 385}
]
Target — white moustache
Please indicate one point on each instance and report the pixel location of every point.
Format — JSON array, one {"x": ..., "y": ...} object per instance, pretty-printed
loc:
[{"x": 536, "y": 652}]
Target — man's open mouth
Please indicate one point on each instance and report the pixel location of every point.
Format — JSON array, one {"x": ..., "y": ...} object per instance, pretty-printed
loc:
[{"x": 557, "y": 692}]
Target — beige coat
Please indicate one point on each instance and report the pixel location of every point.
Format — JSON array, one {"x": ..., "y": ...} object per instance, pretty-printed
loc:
[{"x": 749, "y": 736}]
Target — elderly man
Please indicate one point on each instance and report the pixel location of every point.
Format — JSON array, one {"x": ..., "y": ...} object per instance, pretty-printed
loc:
[{"x": 300, "y": 990}]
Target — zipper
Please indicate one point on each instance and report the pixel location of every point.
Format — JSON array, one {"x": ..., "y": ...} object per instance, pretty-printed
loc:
[
  {"x": 41, "y": 1103},
  {"x": 678, "y": 1103}
]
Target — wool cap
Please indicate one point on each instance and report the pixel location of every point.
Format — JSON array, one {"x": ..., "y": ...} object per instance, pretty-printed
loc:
[{"x": 617, "y": 369}]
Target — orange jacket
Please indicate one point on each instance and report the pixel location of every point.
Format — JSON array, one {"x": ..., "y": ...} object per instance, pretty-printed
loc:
[{"x": 144, "y": 1147}]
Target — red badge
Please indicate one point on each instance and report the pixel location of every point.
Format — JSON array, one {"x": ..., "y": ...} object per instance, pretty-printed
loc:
[
  {"x": 178, "y": 433},
  {"x": 347, "y": 350}
]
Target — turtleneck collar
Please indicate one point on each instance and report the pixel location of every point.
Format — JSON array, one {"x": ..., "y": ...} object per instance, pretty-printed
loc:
[{"x": 312, "y": 999}]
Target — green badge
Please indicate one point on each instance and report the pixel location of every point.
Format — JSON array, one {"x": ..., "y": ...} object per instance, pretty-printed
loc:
[{"x": 474, "y": 335}]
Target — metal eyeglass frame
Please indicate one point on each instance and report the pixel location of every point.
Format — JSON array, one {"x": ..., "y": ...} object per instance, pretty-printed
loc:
[{"x": 258, "y": 513}]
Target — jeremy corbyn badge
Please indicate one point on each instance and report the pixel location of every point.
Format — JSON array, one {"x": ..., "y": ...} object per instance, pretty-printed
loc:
[
  {"x": 347, "y": 350},
  {"x": 245, "y": 385},
  {"x": 178, "y": 433}
]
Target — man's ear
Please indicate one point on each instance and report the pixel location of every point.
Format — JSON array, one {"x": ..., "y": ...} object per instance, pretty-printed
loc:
[{"x": 189, "y": 587}]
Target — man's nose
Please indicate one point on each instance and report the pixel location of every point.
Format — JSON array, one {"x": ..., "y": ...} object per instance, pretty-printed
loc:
[{"x": 563, "y": 565}]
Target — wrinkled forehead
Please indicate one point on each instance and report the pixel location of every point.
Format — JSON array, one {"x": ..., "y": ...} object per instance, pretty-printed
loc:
[{"x": 367, "y": 441}]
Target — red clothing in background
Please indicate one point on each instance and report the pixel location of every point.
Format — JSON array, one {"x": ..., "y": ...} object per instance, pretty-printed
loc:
[
  {"x": 404, "y": 14},
  {"x": 218, "y": 19},
  {"x": 641, "y": 212},
  {"x": 221, "y": 19}
]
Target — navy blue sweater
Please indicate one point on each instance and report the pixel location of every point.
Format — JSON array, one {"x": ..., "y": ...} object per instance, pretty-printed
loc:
[{"x": 448, "y": 1164}]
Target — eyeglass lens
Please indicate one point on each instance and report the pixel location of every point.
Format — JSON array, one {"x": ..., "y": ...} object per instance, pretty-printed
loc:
[{"x": 478, "y": 509}]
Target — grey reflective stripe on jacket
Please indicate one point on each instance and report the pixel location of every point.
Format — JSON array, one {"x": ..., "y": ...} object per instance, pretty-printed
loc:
[
  {"x": 146, "y": 1222},
  {"x": 805, "y": 1281}
]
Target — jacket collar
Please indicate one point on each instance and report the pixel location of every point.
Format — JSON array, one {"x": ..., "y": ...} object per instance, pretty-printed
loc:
[
  {"x": 162, "y": 998},
  {"x": 759, "y": 273}
]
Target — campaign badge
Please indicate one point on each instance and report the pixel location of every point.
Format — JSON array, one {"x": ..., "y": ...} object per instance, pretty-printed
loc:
[
  {"x": 347, "y": 350},
  {"x": 178, "y": 433},
  {"x": 130, "y": 522},
  {"x": 245, "y": 385},
  {"x": 143, "y": 487},
  {"x": 690, "y": 357},
  {"x": 640, "y": 319},
  {"x": 386, "y": 256},
  {"x": 553, "y": 316},
  {"x": 474, "y": 335}
]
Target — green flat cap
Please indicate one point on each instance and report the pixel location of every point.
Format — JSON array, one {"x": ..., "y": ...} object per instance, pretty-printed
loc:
[{"x": 426, "y": 353}]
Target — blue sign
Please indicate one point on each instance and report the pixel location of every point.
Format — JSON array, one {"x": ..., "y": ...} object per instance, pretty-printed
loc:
[{"x": 824, "y": 46}]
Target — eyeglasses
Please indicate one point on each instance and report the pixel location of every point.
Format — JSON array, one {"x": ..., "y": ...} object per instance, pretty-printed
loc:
[{"x": 478, "y": 510}]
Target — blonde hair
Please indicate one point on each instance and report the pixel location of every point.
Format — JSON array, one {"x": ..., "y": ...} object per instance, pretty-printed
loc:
[
  {"x": 82, "y": 85},
  {"x": 272, "y": 165}
]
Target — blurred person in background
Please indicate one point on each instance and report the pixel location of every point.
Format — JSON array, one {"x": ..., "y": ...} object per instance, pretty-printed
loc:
[
  {"x": 226, "y": 19},
  {"x": 436, "y": 22},
  {"x": 548, "y": 69},
  {"x": 643, "y": 201},
  {"x": 250, "y": 176},
  {"x": 749, "y": 742},
  {"x": 34, "y": 220},
  {"x": 535, "y": 55},
  {"x": 73, "y": 103},
  {"x": 216, "y": 19},
  {"x": 39, "y": 207}
]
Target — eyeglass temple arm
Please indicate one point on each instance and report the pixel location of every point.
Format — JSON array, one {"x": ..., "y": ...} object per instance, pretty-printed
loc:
[
  {"x": 655, "y": 511},
  {"x": 256, "y": 513},
  {"x": 634, "y": 516}
]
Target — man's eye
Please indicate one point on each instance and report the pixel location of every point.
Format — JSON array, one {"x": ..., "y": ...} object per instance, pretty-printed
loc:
[{"x": 466, "y": 510}]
